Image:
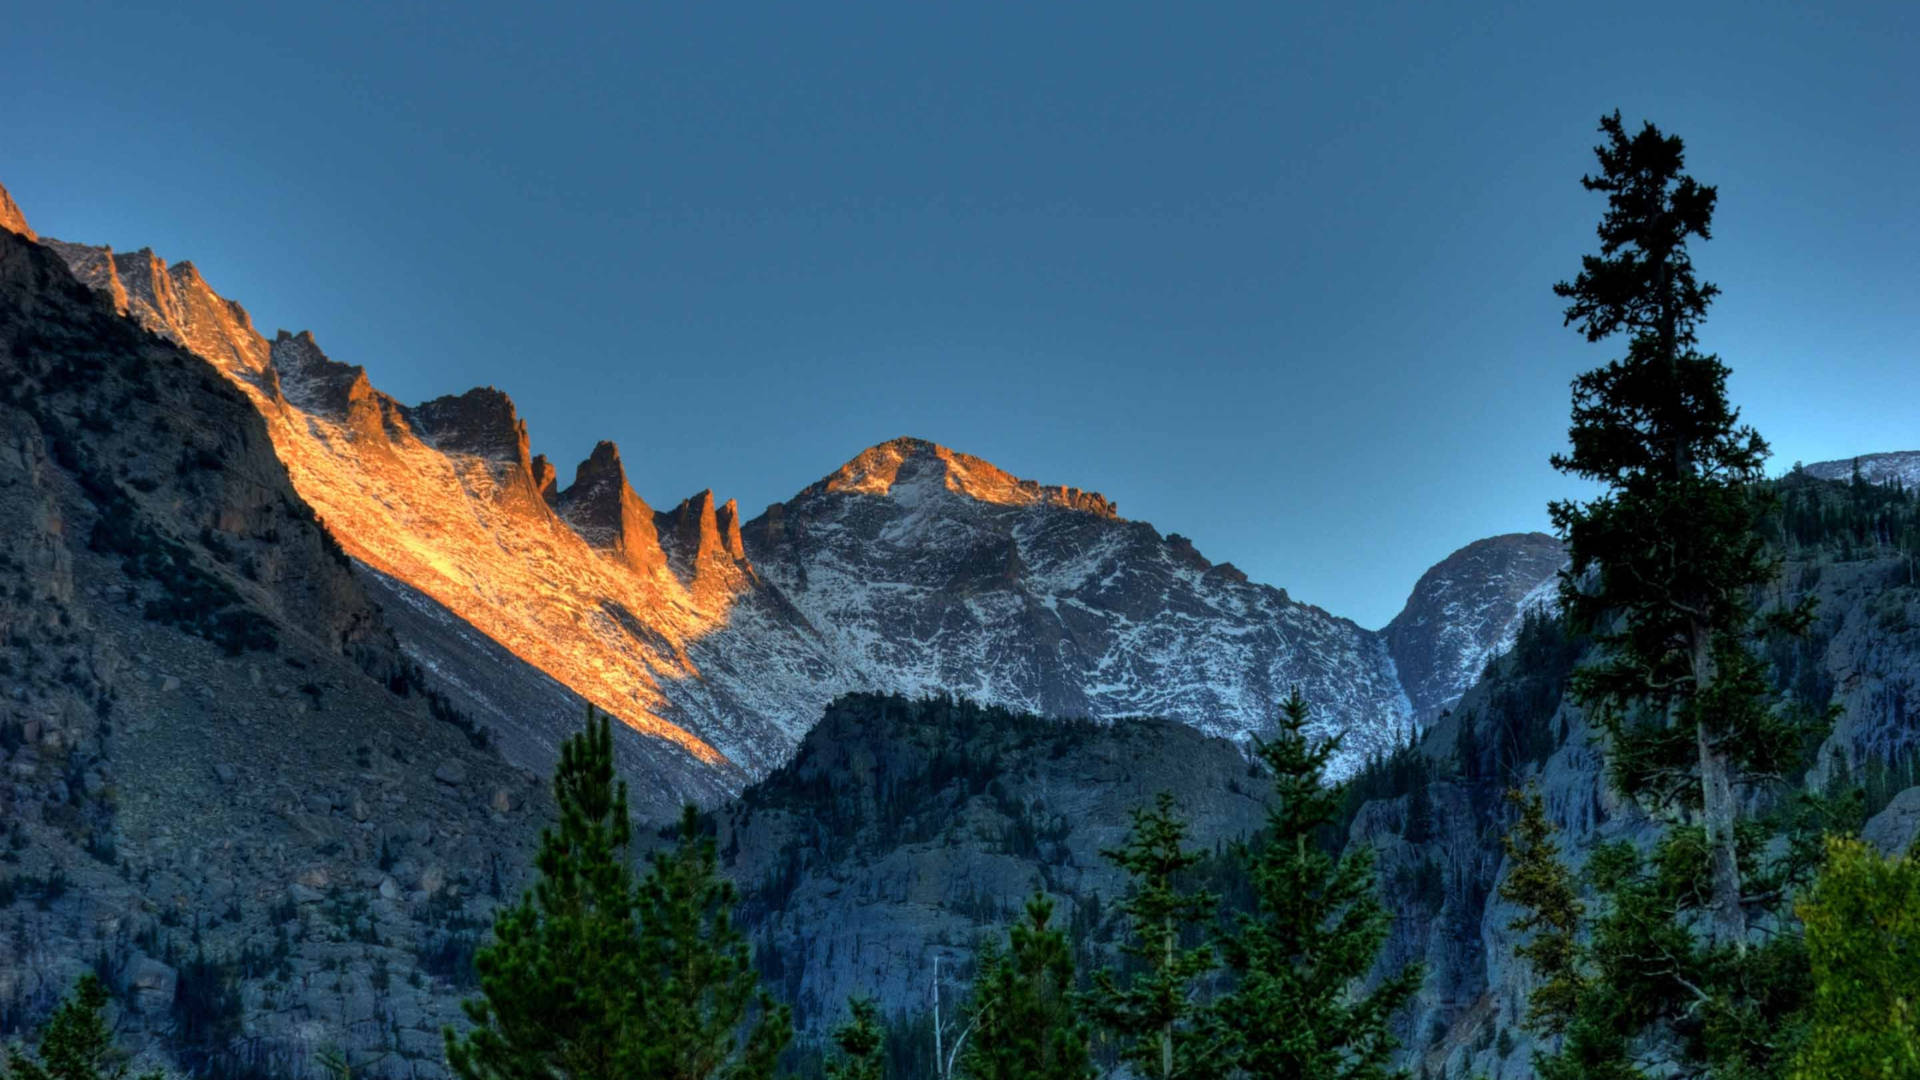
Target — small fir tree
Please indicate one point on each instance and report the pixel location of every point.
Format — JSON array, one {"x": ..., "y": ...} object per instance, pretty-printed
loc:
[
  {"x": 1164, "y": 1031},
  {"x": 1298, "y": 1011},
  {"x": 707, "y": 1016},
  {"x": 1026, "y": 1026},
  {"x": 861, "y": 1041},
  {"x": 561, "y": 982},
  {"x": 75, "y": 1044},
  {"x": 1542, "y": 886}
]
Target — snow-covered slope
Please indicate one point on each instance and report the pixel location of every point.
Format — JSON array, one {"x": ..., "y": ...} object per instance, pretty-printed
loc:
[
  {"x": 929, "y": 570},
  {"x": 1467, "y": 610},
  {"x": 1901, "y": 466}
]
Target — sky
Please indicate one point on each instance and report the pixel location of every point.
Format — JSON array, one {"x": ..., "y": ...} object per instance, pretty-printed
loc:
[{"x": 1276, "y": 277}]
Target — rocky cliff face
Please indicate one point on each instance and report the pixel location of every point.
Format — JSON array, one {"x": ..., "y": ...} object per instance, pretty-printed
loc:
[
  {"x": 219, "y": 786},
  {"x": 903, "y": 831},
  {"x": 1466, "y": 611},
  {"x": 1515, "y": 727}
]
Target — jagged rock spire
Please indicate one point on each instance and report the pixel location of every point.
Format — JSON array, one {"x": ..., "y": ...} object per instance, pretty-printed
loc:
[
  {"x": 602, "y": 507},
  {"x": 11, "y": 219}
]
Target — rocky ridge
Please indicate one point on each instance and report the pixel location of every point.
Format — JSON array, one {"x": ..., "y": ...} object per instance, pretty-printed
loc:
[
  {"x": 1900, "y": 466},
  {"x": 221, "y": 786},
  {"x": 912, "y": 568}
]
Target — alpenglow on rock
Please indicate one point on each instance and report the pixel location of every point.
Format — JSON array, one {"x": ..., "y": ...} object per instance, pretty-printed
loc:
[{"x": 912, "y": 569}]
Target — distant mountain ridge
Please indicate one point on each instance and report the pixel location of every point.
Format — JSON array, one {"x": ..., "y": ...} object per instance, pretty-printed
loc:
[
  {"x": 912, "y": 568},
  {"x": 1898, "y": 466}
]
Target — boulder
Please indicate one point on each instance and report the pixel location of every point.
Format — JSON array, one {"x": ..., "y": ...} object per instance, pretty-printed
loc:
[{"x": 1895, "y": 828}]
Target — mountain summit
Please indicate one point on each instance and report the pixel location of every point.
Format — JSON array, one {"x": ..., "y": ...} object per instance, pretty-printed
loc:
[{"x": 913, "y": 466}]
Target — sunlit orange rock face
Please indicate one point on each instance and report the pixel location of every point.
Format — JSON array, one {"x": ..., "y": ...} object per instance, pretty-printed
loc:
[{"x": 586, "y": 583}]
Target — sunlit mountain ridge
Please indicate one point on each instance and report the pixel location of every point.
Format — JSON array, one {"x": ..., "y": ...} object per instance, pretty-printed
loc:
[{"x": 912, "y": 568}]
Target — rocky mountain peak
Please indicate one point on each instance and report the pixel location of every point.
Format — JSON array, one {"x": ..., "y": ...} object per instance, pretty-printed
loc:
[
  {"x": 11, "y": 219},
  {"x": 908, "y": 467},
  {"x": 313, "y": 381},
  {"x": 481, "y": 422},
  {"x": 1466, "y": 610},
  {"x": 602, "y": 507},
  {"x": 703, "y": 543},
  {"x": 727, "y": 518}
]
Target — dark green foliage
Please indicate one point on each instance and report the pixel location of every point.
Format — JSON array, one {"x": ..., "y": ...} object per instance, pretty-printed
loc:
[
  {"x": 76, "y": 1043},
  {"x": 1664, "y": 563},
  {"x": 1845, "y": 520},
  {"x": 1163, "y": 1030},
  {"x": 707, "y": 1015},
  {"x": 861, "y": 1042},
  {"x": 562, "y": 992},
  {"x": 1295, "y": 1011},
  {"x": 1025, "y": 1022},
  {"x": 1646, "y": 980},
  {"x": 593, "y": 975}
]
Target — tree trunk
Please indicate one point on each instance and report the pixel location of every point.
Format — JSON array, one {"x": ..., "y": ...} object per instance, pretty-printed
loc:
[
  {"x": 1167, "y": 933},
  {"x": 1727, "y": 920}
]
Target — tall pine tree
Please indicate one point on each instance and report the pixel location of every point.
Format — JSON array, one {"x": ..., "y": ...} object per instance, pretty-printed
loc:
[
  {"x": 1026, "y": 1025},
  {"x": 1164, "y": 1031},
  {"x": 707, "y": 1016},
  {"x": 1298, "y": 1009},
  {"x": 594, "y": 976},
  {"x": 1664, "y": 563},
  {"x": 561, "y": 981}
]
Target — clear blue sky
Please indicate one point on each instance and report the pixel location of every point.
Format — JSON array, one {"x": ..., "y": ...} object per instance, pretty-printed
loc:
[{"x": 1272, "y": 279}]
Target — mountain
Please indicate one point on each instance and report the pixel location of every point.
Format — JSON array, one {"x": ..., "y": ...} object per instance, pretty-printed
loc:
[
  {"x": 1467, "y": 610},
  {"x": 934, "y": 571},
  {"x": 274, "y": 721},
  {"x": 910, "y": 569},
  {"x": 1899, "y": 466}
]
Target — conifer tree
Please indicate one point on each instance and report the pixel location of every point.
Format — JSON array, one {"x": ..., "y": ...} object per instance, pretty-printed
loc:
[
  {"x": 1164, "y": 1031},
  {"x": 860, "y": 1041},
  {"x": 1026, "y": 1025},
  {"x": 593, "y": 976},
  {"x": 1665, "y": 561},
  {"x": 1297, "y": 1009},
  {"x": 75, "y": 1044},
  {"x": 562, "y": 993},
  {"x": 707, "y": 1015},
  {"x": 1542, "y": 886}
]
